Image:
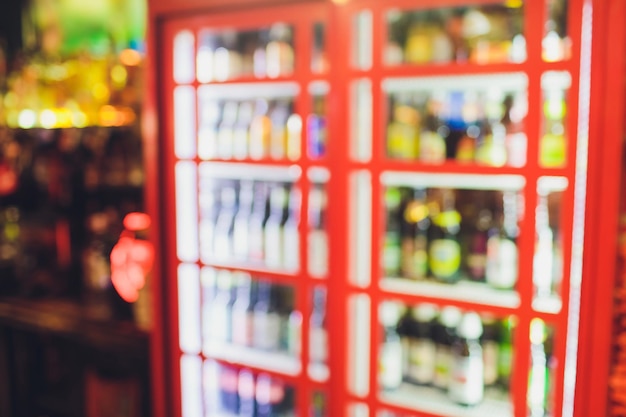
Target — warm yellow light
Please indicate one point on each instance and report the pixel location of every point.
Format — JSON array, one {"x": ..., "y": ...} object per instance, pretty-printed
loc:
[
  {"x": 108, "y": 116},
  {"x": 27, "y": 119},
  {"x": 100, "y": 92},
  {"x": 64, "y": 117},
  {"x": 130, "y": 57},
  {"x": 13, "y": 118},
  {"x": 119, "y": 75},
  {"x": 47, "y": 119},
  {"x": 514, "y": 4},
  {"x": 79, "y": 119}
]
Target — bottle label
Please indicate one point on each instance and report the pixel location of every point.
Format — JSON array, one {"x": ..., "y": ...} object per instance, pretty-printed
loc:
[
  {"x": 318, "y": 345},
  {"x": 420, "y": 258},
  {"x": 221, "y": 322},
  {"x": 242, "y": 327},
  {"x": 505, "y": 362},
  {"x": 390, "y": 365},
  {"x": 443, "y": 363},
  {"x": 490, "y": 359},
  {"x": 422, "y": 361},
  {"x": 267, "y": 331},
  {"x": 432, "y": 147},
  {"x": 466, "y": 383},
  {"x": 318, "y": 253},
  {"x": 445, "y": 258},
  {"x": 240, "y": 143},
  {"x": 392, "y": 254},
  {"x": 501, "y": 262},
  {"x": 225, "y": 143}
]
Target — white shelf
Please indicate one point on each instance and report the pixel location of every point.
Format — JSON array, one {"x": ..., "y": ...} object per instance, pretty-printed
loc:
[
  {"x": 517, "y": 81},
  {"x": 245, "y": 171},
  {"x": 318, "y": 372},
  {"x": 434, "y": 401},
  {"x": 461, "y": 291},
  {"x": 259, "y": 267},
  {"x": 279, "y": 362},
  {"x": 249, "y": 90},
  {"x": 464, "y": 181},
  {"x": 549, "y": 304}
]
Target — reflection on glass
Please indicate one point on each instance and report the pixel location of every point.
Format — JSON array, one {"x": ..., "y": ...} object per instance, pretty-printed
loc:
[
  {"x": 548, "y": 258},
  {"x": 467, "y": 357},
  {"x": 543, "y": 365},
  {"x": 319, "y": 56},
  {"x": 229, "y": 54},
  {"x": 553, "y": 147},
  {"x": 556, "y": 45},
  {"x": 446, "y": 235},
  {"x": 478, "y": 34},
  {"x": 473, "y": 122}
]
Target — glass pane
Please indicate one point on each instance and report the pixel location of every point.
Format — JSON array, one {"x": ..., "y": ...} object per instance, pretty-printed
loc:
[
  {"x": 543, "y": 368},
  {"x": 548, "y": 258},
  {"x": 553, "y": 146},
  {"x": 557, "y": 45},
  {"x": 229, "y": 54},
  {"x": 440, "y": 359},
  {"x": 470, "y": 120},
  {"x": 319, "y": 56},
  {"x": 477, "y": 34}
]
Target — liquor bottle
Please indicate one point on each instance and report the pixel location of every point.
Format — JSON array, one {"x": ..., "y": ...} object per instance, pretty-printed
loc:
[
  {"x": 317, "y": 131},
  {"x": 552, "y": 145},
  {"x": 260, "y": 131},
  {"x": 242, "y": 311},
  {"x": 415, "y": 241},
  {"x": 402, "y": 132},
  {"x": 432, "y": 145},
  {"x": 225, "y": 220},
  {"x": 502, "y": 256},
  {"x": 242, "y": 130},
  {"x": 246, "y": 392},
  {"x": 318, "y": 406},
  {"x": 444, "y": 335},
  {"x": 492, "y": 150},
  {"x": 477, "y": 251},
  {"x": 209, "y": 204},
  {"x": 444, "y": 252},
  {"x": 226, "y": 129},
  {"x": 256, "y": 222},
  {"x": 267, "y": 323},
  {"x": 490, "y": 342},
  {"x": 466, "y": 385},
  {"x": 227, "y": 57},
  {"x": 317, "y": 238},
  {"x": 422, "y": 349},
  {"x": 228, "y": 387},
  {"x": 291, "y": 235},
  {"x": 539, "y": 373},
  {"x": 392, "y": 252},
  {"x": 273, "y": 397},
  {"x": 405, "y": 324},
  {"x": 279, "y": 52},
  {"x": 222, "y": 309},
  {"x": 259, "y": 57},
  {"x": 241, "y": 221},
  {"x": 318, "y": 333},
  {"x": 516, "y": 141},
  {"x": 544, "y": 250},
  {"x": 209, "y": 121},
  {"x": 505, "y": 352},
  {"x": 294, "y": 333},
  {"x": 294, "y": 136},
  {"x": 97, "y": 267},
  {"x": 278, "y": 135},
  {"x": 390, "y": 357},
  {"x": 274, "y": 249},
  {"x": 319, "y": 57}
]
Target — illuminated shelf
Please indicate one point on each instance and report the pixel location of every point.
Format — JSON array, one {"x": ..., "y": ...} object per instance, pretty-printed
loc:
[
  {"x": 517, "y": 81},
  {"x": 435, "y": 401},
  {"x": 464, "y": 181},
  {"x": 551, "y": 304},
  {"x": 249, "y": 266},
  {"x": 318, "y": 372},
  {"x": 471, "y": 292},
  {"x": 235, "y": 170},
  {"x": 248, "y": 90},
  {"x": 449, "y": 166},
  {"x": 278, "y": 362}
]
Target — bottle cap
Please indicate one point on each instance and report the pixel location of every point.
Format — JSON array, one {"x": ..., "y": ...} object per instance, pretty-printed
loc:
[
  {"x": 471, "y": 326},
  {"x": 450, "y": 316},
  {"x": 424, "y": 312},
  {"x": 388, "y": 313}
]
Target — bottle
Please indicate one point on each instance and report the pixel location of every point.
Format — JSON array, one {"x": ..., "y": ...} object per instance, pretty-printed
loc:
[
  {"x": 418, "y": 48},
  {"x": 226, "y": 129},
  {"x": 403, "y": 328},
  {"x": 317, "y": 131},
  {"x": 466, "y": 147},
  {"x": 415, "y": 243},
  {"x": 516, "y": 141},
  {"x": 209, "y": 121},
  {"x": 246, "y": 392},
  {"x": 466, "y": 386},
  {"x": 318, "y": 406},
  {"x": 319, "y": 56},
  {"x": 267, "y": 324},
  {"x": 205, "y": 58},
  {"x": 227, "y": 57},
  {"x": 96, "y": 266},
  {"x": 392, "y": 252},
  {"x": 221, "y": 311},
  {"x": 223, "y": 240},
  {"x": 291, "y": 235},
  {"x": 228, "y": 389},
  {"x": 492, "y": 151},
  {"x": 278, "y": 135},
  {"x": 242, "y": 317},
  {"x": 242, "y": 130},
  {"x": 279, "y": 52},
  {"x": 490, "y": 342},
  {"x": 390, "y": 359},
  {"x": 294, "y": 333},
  {"x": 294, "y": 136},
  {"x": 502, "y": 256},
  {"x": 260, "y": 131},
  {"x": 422, "y": 349},
  {"x": 256, "y": 222},
  {"x": 553, "y": 144},
  {"x": 432, "y": 145},
  {"x": 539, "y": 373},
  {"x": 208, "y": 280},
  {"x": 444, "y": 252},
  {"x": 318, "y": 333},
  {"x": 317, "y": 238},
  {"x": 544, "y": 250},
  {"x": 477, "y": 251},
  {"x": 274, "y": 249},
  {"x": 402, "y": 132},
  {"x": 241, "y": 221},
  {"x": 273, "y": 397},
  {"x": 505, "y": 352},
  {"x": 285, "y": 299},
  {"x": 444, "y": 332},
  {"x": 209, "y": 204},
  {"x": 259, "y": 57}
]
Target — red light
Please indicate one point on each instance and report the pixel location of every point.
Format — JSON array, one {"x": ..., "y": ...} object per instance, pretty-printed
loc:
[
  {"x": 137, "y": 221},
  {"x": 131, "y": 261}
]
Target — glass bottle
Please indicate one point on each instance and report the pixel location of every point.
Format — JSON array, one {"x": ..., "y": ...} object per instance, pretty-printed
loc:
[
  {"x": 318, "y": 336},
  {"x": 279, "y": 51},
  {"x": 256, "y": 223},
  {"x": 432, "y": 145},
  {"x": 225, "y": 133},
  {"x": 402, "y": 132},
  {"x": 317, "y": 238},
  {"x": 260, "y": 131},
  {"x": 221, "y": 310},
  {"x": 274, "y": 227},
  {"x": 444, "y": 331},
  {"x": 390, "y": 359},
  {"x": 317, "y": 132},
  {"x": 415, "y": 244},
  {"x": 246, "y": 391},
  {"x": 502, "y": 256},
  {"x": 490, "y": 342},
  {"x": 294, "y": 135},
  {"x": 225, "y": 220},
  {"x": 291, "y": 234},
  {"x": 267, "y": 323},
  {"x": 444, "y": 252},
  {"x": 242, "y": 130},
  {"x": 466, "y": 386},
  {"x": 392, "y": 253},
  {"x": 421, "y": 345},
  {"x": 242, "y": 220},
  {"x": 278, "y": 135},
  {"x": 242, "y": 318}
]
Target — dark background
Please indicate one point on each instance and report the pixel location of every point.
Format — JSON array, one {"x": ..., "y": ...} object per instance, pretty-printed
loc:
[{"x": 11, "y": 26}]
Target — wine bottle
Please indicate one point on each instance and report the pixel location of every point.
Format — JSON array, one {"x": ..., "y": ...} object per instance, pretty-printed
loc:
[
  {"x": 467, "y": 383},
  {"x": 444, "y": 254}
]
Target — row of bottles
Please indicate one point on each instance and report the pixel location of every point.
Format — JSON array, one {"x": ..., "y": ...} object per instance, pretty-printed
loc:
[
  {"x": 253, "y": 313},
  {"x": 258, "y": 222},
  {"x": 458, "y": 352},
  {"x": 468, "y": 127},
  {"x": 260, "y": 129},
  {"x": 230, "y": 391},
  {"x": 448, "y": 235}
]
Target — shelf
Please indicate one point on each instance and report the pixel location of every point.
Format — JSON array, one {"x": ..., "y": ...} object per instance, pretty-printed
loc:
[
  {"x": 465, "y": 291},
  {"x": 434, "y": 401},
  {"x": 516, "y": 81},
  {"x": 550, "y": 304},
  {"x": 278, "y": 362},
  {"x": 450, "y": 166},
  {"x": 449, "y": 180},
  {"x": 249, "y": 90},
  {"x": 257, "y": 172},
  {"x": 318, "y": 372},
  {"x": 258, "y": 268}
]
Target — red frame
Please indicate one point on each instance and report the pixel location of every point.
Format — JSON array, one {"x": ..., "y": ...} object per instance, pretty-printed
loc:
[{"x": 602, "y": 194}]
